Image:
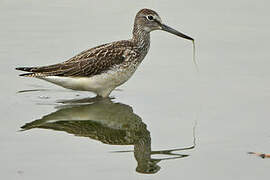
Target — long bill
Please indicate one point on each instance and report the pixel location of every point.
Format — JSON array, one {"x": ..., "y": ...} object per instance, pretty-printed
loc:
[{"x": 173, "y": 31}]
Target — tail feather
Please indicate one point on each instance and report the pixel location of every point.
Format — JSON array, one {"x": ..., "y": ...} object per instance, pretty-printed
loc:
[
  {"x": 40, "y": 69},
  {"x": 28, "y": 69},
  {"x": 31, "y": 71},
  {"x": 28, "y": 75}
]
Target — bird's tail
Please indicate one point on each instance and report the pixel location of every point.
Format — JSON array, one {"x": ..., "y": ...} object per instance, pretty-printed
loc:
[
  {"x": 27, "y": 69},
  {"x": 28, "y": 75}
]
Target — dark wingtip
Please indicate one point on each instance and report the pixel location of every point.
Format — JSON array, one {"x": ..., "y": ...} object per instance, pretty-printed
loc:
[
  {"x": 19, "y": 68},
  {"x": 27, "y": 69},
  {"x": 24, "y": 68},
  {"x": 24, "y": 126}
]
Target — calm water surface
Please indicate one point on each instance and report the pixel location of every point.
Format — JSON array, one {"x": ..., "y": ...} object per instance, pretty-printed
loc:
[{"x": 167, "y": 121}]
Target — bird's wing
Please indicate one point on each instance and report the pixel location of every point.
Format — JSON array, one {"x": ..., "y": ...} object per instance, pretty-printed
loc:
[{"x": 86, "y": 64}]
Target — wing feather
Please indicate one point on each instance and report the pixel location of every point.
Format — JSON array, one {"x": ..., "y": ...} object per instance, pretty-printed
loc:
[{"x": 88, "y": 63}]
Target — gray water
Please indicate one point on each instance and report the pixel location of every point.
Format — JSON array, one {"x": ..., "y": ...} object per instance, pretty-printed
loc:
[{"x": 172, "y": 121}]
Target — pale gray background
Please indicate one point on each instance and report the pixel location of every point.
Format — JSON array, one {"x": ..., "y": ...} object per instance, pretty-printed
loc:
[{"x": 229, "y": 98}]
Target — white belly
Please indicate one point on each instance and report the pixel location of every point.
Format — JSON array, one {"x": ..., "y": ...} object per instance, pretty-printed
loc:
[{"x": 102, "y": 84}]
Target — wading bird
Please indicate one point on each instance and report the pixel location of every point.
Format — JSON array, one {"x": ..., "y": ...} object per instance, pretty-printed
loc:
[{"x": 103, "y": 68}]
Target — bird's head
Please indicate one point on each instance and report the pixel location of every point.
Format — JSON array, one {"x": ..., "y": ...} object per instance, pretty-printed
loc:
[{"x": 148, "y": 20}]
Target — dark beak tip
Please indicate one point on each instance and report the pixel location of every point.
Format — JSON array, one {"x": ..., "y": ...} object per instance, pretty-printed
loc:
[{"x": 175, "y": 32}]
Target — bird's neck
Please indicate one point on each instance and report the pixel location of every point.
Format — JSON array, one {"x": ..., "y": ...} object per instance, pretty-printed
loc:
[{"x": 141, "y": 38}]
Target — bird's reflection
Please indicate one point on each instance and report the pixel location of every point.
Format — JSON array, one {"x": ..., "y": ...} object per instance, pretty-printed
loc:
[{"x": 108, "y": 122}]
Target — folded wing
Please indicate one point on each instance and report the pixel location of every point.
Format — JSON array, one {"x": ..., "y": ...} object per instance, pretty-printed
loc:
[{"x": 86, "y": 64}]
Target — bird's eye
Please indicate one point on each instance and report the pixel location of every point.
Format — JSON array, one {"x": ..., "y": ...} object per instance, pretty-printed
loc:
[{"x": 150, "y": 18}]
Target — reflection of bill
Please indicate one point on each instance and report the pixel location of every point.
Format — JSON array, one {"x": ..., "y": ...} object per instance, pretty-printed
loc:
[{"x": 108, "y": 122}]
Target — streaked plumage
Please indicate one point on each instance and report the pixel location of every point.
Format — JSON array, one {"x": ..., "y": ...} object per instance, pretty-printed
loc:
[{"x": 103, "y": 68}]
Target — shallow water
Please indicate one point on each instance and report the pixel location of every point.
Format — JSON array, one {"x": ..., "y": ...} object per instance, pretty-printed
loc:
[{"x": 167, "y": 120}]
